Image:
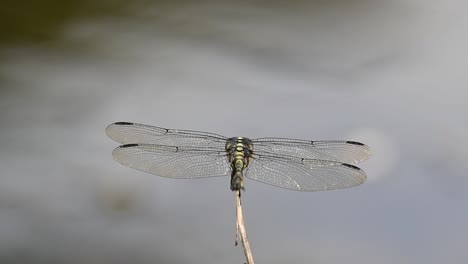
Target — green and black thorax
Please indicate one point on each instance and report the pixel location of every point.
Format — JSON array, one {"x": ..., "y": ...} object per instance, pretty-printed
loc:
[{"x": 239, "y": 151}]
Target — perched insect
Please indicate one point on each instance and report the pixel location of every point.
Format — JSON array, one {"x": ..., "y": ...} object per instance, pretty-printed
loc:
[{"x": 301, "y": 165}]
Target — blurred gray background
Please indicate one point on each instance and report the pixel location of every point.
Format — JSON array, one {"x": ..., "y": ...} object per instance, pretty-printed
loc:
[{"x": 391, "y": 74}]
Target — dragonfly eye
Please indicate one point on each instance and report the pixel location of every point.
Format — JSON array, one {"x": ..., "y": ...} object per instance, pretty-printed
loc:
[{"x": 230, "y": 143}]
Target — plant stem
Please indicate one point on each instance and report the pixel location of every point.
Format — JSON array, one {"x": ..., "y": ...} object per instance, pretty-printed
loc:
[{"x": 240, "y": 230}]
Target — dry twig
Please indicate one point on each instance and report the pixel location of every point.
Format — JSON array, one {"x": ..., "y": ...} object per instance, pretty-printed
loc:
[{"x": 240, "y": 230}]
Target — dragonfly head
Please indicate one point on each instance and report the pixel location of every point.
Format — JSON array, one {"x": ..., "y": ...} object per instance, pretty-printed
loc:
[{"x": 239, "y": 144}]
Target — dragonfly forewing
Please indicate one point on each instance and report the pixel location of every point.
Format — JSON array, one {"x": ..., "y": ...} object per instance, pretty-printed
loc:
[
  {"x": 133, "y": 133},
  {"x": 333, "y": 150}
]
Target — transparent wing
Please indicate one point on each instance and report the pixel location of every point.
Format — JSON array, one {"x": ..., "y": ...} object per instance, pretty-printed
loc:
[
  {"x": 173, "y": 162},
  {"x": 304, "y": 174},
  {"x": 332, "y": 150},
  {"x": 133, "y": 133}
]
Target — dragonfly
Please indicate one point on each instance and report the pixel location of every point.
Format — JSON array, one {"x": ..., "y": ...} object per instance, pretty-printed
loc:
[{"x": 294, "y": 164}]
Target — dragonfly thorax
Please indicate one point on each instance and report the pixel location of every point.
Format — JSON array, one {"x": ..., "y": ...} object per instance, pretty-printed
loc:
[{"x": 239, "y": 149}]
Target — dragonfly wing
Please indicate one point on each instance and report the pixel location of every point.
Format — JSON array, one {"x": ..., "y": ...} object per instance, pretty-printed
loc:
[
  {"x": 332, "y": 150},
  {"x": 133, "y": 133},
  {"x": 173, "y": 162},
  {"x": 304, "y": 174}
]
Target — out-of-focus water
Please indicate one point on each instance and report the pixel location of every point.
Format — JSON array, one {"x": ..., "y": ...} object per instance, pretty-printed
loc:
[{"x": 390, "y": 74}]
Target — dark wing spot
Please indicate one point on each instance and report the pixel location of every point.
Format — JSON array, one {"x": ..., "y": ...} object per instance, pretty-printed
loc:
[
  {"x": 123, "y": 123},
  {"x": 351, "y": 166},
  {"x": 129, "y": 146},
  {"x": 355, "y": 143}
]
